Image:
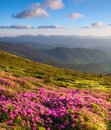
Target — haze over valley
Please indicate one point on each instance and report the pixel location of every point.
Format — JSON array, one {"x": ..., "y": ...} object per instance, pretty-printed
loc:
[
  {"x": 55, "y": 65},
  {"x": 88, "y": 54}
]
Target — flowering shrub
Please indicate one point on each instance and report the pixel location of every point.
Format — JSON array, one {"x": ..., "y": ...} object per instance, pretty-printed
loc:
[
  {"x": 69, "y": 109},
  {"x": 52, "y": 108}
]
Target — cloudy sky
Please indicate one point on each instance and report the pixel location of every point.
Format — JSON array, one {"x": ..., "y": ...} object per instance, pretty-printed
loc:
[{"x": 55, "y": 17}]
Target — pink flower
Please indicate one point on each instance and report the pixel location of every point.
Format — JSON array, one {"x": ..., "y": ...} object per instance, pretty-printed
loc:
[
  {"x": 23, "y": 123},
  {"x": 48, "y": 128}
]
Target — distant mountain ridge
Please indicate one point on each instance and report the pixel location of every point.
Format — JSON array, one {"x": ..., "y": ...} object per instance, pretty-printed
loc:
[
  {"x": 53, "y": 41},
  {"x": 60, "y": 57},
  {"x": 91, "y": 68},
  {"x": 27, "y": 52},
  {"x": 77, "y": 55}
]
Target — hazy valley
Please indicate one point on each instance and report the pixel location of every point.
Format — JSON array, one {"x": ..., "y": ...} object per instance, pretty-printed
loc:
[{"x": 73, "y": 52}]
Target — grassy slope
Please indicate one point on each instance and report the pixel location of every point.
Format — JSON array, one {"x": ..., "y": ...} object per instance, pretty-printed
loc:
[
  {"x": 67, "y": 54},
  {"x": 23, "y": 67},
  {"x": 27, "y": 52},
  {"x": 31, "y": 83}
]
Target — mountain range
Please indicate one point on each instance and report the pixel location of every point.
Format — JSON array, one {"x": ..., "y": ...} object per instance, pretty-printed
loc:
[
  {"x": 76, "y": 55},
  {"x": 53, "y": 41},
  {"x": 81, "y": 59}
]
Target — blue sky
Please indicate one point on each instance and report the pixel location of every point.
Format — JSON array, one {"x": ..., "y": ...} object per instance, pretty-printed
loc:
[{"x": 55, "y": 17}]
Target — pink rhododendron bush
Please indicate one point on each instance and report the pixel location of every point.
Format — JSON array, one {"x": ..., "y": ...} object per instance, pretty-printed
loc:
[{"x": 46, "y": 108}]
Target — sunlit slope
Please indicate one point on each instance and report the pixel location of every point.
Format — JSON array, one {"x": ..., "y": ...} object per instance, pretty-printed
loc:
[
  {"x": 23, "y": 67},
  {"x": 35, "y": 96},
  {"x": 79, "y": 59}
]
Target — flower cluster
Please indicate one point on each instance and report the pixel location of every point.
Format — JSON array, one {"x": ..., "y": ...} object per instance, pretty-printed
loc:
[{"x": 55, "y": 109}]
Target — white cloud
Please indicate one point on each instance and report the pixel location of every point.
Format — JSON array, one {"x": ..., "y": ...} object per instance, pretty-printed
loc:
[
  {"x": 76, "y": 16},
  {"x": 36, "y": 10},
  {"x": 39, "y": 9},
  {"x": 50, "y": 27},
  {"x": 95, "y": 25},
  {"x": 54, "y": 4},
  {"x": 17, "y": 27}
]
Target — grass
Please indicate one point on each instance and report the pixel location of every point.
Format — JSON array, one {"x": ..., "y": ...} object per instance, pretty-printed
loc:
[{"x": 39, "y": 84}]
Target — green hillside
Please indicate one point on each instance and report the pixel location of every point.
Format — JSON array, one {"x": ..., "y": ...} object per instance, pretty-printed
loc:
[
  {"x": 90, "y": 68},
  {"x": 23, "y": 67},
  {"x": 27, "y": 52},
  {"x": 69, "y": 58},
  {"x": 35, "y": 96}
]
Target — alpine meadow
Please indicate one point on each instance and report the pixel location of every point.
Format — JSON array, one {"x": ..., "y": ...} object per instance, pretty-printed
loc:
[{"x": 55, "y": 65}]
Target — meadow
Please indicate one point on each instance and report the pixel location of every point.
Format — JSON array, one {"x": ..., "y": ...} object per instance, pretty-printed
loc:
[{"x": 35, "y": 96}]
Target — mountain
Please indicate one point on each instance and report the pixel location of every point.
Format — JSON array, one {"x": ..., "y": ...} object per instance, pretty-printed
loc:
[
  {"x": 91, "y": 68},
  {"x": 60, "y": 54},
  {"x": 53, "y": 41},
  {"x": 27, "y": 52},
  {"x": 77, "y": 55},
  {"x": 21, "y": 66},
  {"x": 25, "y": 67},
  {"x": 60, "y": 57}
]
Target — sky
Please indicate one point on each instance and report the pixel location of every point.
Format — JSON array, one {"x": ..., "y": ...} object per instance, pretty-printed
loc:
[{"x": 55, "y": 17}]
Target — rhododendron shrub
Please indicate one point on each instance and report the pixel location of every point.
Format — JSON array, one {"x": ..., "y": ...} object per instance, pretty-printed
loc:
[
  {"x": 55, "y": 109},
  {"x": 45, "y": 108}
]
